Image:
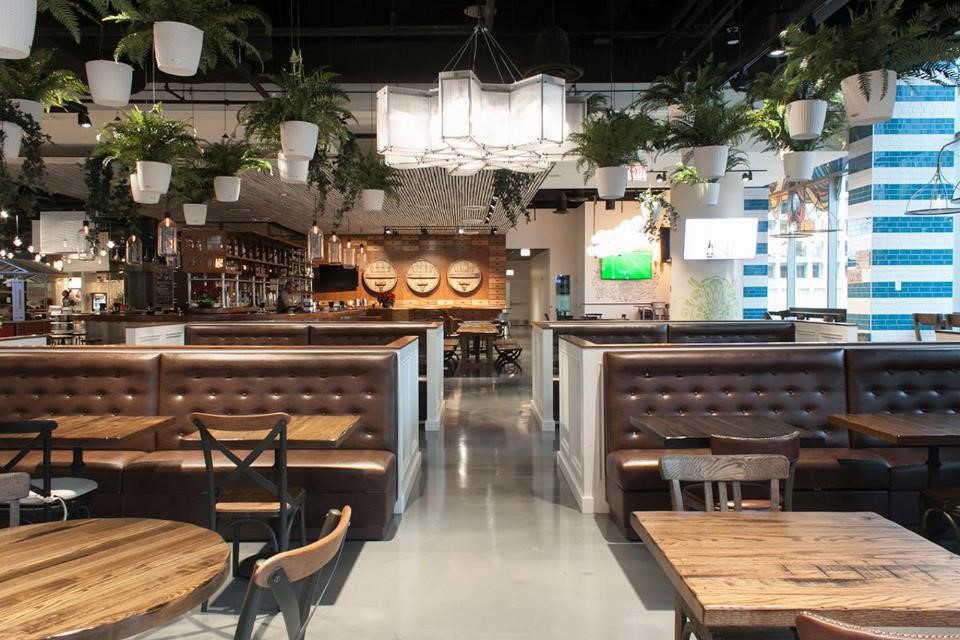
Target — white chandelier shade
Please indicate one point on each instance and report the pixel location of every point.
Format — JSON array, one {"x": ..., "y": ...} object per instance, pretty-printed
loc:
[{"x": 466, "y": 126}]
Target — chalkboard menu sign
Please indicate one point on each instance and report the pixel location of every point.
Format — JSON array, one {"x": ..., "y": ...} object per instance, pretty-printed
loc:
[{"x": 163, "y": 287}]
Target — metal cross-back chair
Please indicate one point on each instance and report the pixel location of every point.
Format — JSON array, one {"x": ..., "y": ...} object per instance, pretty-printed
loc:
[
  {"x": 41, "y": 439},
  {"x": 14, "y": 487},
  {"x": 270, "y": 499},
  {"x": 294, "y": 579}
]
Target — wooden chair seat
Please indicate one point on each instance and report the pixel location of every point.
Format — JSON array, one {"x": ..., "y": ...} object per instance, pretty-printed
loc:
[{"x": 255, "y": 501}]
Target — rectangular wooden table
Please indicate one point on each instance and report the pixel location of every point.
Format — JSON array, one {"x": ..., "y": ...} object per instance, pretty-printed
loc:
[
  {"x": 315, "y": 432},
  {"x": 695, "y": 431},
  {"x": 907, "y": 430},
  {"x": 479, "y": 332},
  {"x": 762, "y": 569}
]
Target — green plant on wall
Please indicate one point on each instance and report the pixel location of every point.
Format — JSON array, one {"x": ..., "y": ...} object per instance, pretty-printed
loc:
[
  {"x": 713, "y": 298},
  {"x": 510, "y": 188}
]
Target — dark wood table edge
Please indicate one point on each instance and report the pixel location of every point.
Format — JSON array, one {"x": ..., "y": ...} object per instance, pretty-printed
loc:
[
  {"x": 807, "y": 437},
  {"x": 192, "y": 439}
]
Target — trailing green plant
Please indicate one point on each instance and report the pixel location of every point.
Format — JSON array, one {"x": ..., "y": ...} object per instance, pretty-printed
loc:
[
  {"x": 34, "y": 78},
  {"x": 309, "y": 98},
  {"x": 770, "y": 127},
  {"x": 109, "y": 202},
  {"x": 922, "y": 46},
  {"x": 224, "y": 24},
  {"x": 147, "y": 135},
  {"x": 192, "y": 184},
  {"x": 794, "y": 80},
  {"x": 662, "y": 213},
  {"x": 334, "y": 172},
  {"x": 707, "y": 122},
  {"x": 234, "y": 157},
  {"x": 69, "y": 12},
  {"x": 22, "y": 193},
  {"x": 510, "y": 189},
  {"x": 371, "y": 172},
  {"x": 686, "y": 174},
  {"x": 613, "y": 138}
]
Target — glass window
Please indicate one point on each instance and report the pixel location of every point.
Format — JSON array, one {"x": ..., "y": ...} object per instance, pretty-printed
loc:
[
  {"x": 801, "y": 268},
  {"x": 783, "y": 271},
  {"x": 817, "y": 270},
  {"x": 801, "y": 249}
]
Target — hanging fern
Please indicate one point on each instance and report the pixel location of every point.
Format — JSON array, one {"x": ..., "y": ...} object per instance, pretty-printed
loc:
[
  {"x": 109, "y": 201},
  {"x": 34, "y": 78}
]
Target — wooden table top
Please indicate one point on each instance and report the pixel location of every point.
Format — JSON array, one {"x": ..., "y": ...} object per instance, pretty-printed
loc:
[
  {"x": 695, "y": 431},
  {"x": 762, "y": 569},
  {"x": 478, "y": 328},
  {"x": 91, "y": 431},
  {"x": 105, "y": 578},
  {"x": 917, "y": 430},
  {"x": 316, "y": 432}
]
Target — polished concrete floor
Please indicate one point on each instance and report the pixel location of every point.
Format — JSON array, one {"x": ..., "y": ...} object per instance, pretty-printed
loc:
[{"x": 494, "y": 548}]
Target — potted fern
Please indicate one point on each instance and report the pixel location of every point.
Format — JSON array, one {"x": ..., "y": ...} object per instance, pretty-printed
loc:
[
  {"x": 685, "y": 178},
  {"x": 804, "y": 94},
  {"x": 611, "y": 140},
  {"x": 771, "y": 122},
  {"x": 172, "y": 29},
  {"x": 229, "y": 159},
  {"x": 151, "y": 143},
  {"x": 374, "y": 178},
  {"x": 309, "y": 109},
  {"x": 192, "y": 188},
  {"x": 35, "y": 86},
  {"x": 865, "y": 58}
]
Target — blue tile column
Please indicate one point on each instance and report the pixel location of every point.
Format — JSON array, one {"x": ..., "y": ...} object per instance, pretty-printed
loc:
[
  {"x": 756, "y": 204},
  {"x": 898, "y": 264}
]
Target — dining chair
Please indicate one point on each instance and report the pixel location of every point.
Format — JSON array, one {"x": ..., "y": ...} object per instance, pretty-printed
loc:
[
  {"x": 921, "y": 320},
  {"x": 811, "y": 626},
  {"x": 233, "y": 503},
  {"x": 659, "y": 311},
  {"x": 942, "y": 501},
  {"x": 952, "y": 321},
  {"x": 290, "y": 573},
  {"x": 13, "y": 488}
]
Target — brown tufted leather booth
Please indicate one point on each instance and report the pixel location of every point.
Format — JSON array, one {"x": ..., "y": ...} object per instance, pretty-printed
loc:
[
  {"x": 251, "y": 333},
  {"x": 733, "y": 331},
  {"x": 158, "y": 477}
]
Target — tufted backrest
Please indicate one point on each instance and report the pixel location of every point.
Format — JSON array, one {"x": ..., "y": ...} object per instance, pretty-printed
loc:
[
  {"x": 799, "y": 386},
  {"x": 294, "y": 382},
  {"x": 901, "y": 380},
  {"x": 723, "y": 332},
  {"x": 47, "y": 382},
  {"x": 602, "y": 332},
  {"x": 241, "y": 333},
  {"x": 378, "y": 334}
]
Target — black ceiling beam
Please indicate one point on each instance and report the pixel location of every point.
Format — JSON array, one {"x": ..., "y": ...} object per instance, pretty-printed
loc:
[{"x": 718, "y": 24}]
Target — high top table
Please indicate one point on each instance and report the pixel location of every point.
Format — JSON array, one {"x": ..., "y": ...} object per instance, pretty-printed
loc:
[{"x": 105, "y": 578}]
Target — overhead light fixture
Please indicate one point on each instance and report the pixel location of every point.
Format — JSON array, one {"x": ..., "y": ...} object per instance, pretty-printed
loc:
[
  {"x": 387, "y": 231},
  {"x": 31, "y": 249},
  {"x": 747, "y": 176},
  {"x": 83, "y": 119},
  {"x": 777, "y": 51},
  {"x": 610, "y": 205},
  {"x": 733, "y": 35},
  {"x": 938, "y": 197},
  {"x": 509, "y": 272},
  {"x": 460, "y": 230},
  {"x": 4, "y": 214},
  {"x": 17, "y": 241},
  {"x": 493, "y": 231},
  {"x": 525, "y": 253},
  {"x": 661, "y": 177}
]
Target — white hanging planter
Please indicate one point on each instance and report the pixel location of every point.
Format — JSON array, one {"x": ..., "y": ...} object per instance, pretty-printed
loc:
[
  {"x": 611, "y": 182},
  {"x": 141, "y": 196},
  {"x": 177, "y": 47},
  {"x": 110, "y": 82},
  {"x": 227, "y": 188},
  {"x": 292, "y": 171},
  {"x": 372, "y": 199},
  {"x": 154, "y": 176},
  {"x": 711, "y": 162},
  {"x": 805, "y": 118},
  {"x": 12, "y": 137},
  {"x": 195, "y": 215},
  {"x": 31, "y": 108},
  {"x": 16, "y": 28},
  {"x": 298, "y": 139},
  {"x": 879, "y": 107},
  {"x": 703, "y": 193},
  {"x": 799, "y": 165}
]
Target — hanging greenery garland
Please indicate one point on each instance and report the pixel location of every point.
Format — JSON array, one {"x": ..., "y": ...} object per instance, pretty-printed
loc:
[{"x": 21, "y": 194}]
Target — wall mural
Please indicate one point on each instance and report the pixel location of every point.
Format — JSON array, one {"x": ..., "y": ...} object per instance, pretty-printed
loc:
[
  {"x": 713, "y": 298},
  {"x": 423, "y": 277},
  {"x": 464, "y": 276},
  {"x": 379, "y": 276},
  {"x": 626, "y": 291}
]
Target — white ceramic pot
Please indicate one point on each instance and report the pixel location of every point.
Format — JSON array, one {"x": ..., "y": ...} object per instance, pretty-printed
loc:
[
  {"x": 19, "y": 18},
  {"x": 227, "y": 188},
  {"x": 12, "y": 137},
  {"x": 292, "y": 171},
  {"x": 703, "y": 193},
  {"x": 154, "y": 176},
  {"x": 195, "y": 215},
  {"x": 611, "y": 182},
  {"x": 32, "y": 108},
  {"x": 711, "y": 162},
  {"x": 177, "y": 47},
  {"x": 372, "y": 199},
  {"x": 799, "y": 165},
  {"x": 878, "y": 107},
  {"x": 805, "y": 118},
  {"x": 110, "y": 82},
  {"x": 139, "y": 195},
  {"x": 298, "y": 139}
]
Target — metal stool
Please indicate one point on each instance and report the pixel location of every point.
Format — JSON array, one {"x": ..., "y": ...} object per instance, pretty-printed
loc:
[{"x": 508, "y": 356}]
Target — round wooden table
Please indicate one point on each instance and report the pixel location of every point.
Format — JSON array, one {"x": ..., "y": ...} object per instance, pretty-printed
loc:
[{"x": 105, "y": 578}]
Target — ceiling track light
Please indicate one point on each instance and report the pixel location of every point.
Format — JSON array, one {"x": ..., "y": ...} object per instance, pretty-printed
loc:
[
  {"x": 661, "y": 176},
  {"x": 747, "y": 176},
  {"x": 777, "y": 51},
  {"x": 83, "y": 119}
]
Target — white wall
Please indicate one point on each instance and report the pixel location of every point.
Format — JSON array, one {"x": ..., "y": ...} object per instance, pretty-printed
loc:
[
  {"x": 542, "y": 286},
  {"x": 519, "y": 294}
]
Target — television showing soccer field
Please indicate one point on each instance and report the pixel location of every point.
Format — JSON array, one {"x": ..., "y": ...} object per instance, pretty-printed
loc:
[
  {"x": 720, "y": 239},
  {"x": 636, "y": 265}
]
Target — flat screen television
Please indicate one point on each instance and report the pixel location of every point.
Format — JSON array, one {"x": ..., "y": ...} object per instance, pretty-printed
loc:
[
  {"x": 636, "y": 265},
  {"x": 720, "y": 239},
  {"x": 332, "y": 278}
]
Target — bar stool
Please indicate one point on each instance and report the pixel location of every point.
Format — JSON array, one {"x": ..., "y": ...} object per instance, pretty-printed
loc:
[{"x": 508, "y": 356}]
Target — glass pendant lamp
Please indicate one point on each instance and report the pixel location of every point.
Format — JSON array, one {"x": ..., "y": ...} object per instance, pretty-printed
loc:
[
  {"x": 167, "y": 237},
  {"x": 361, "y": 257},
  {"x": 85, "y": 242},
  {"x": 349, "y": 256},
  {"x": 334, "y": 250},
  {"x": 134, "y": 249},
  {"x": 315, "y": 245}
]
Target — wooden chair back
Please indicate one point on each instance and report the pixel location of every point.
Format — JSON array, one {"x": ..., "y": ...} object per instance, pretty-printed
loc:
[
  {"x": 787, "y": 446},
  {"x": 815, "y": 627},
  {"x": 36, "y": 435},
  {"x": 281, "y": 572},
  {"x": 921, "y": 320},
  {"x": 952, "y": 321},
  {"x": 14, "y": 487},
  {"x": 735, "y": 470}
]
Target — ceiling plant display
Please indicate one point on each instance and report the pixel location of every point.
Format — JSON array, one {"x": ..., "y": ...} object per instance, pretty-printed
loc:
[
  {"x": 686, "y": 178},
  {"x": 192, "y": 187},
  {"x": 20, "y": 18},
  {"x": 109, "y": 202},
  {"x": 375, "y": 179},
  {"x": 227, "y": 160},
  {"x": 20, "y": 136},
  {"x": 865, "y": 58},
  {"x": 35, "y": 86},
  {"x": 510, "y": 188},
  {"x": 186, "y": 35}
]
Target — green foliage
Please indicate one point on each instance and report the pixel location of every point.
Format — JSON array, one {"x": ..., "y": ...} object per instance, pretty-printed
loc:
[
  {"x": 685, "y": 86},
  {"x": 923, "y": 46},
  {"x": 510, "y": 188},
  {"x": 234, "y": 157},
  {"x": 224, "y": 24},
  {"x": 309, "y": 98},
  {"x": 613, "y": 138},
  {"x": 192, "y": 184},
  {"x": 147, "y": 135},
  {"x": 68, "y": 12},
  {"x": 707, "y": 122},
  {"x": 662, "y": 213},
  {"x": 21, "y": 194},
  {"x": 794, "y": 80},
  {"x": 109, "y": 201},
  {"x": 328, "y": 171},
  {"x": 686, "y": 174},
  {"x": 770, "y": 127},
  {"x": 34, "y": 79},
  {"x": 369, "y": 171}
]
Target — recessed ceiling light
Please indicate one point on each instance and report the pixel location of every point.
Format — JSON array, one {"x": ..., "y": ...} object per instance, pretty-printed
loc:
[{"x": 777, "y": 52}]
